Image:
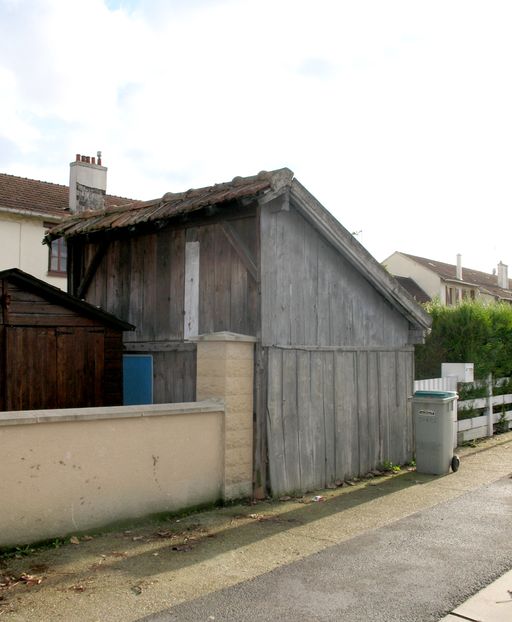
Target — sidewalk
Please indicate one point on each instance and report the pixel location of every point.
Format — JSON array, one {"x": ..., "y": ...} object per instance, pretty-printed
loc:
[
  {"x": 128, "y": 574},
  {"x": 492, "y": 604}
]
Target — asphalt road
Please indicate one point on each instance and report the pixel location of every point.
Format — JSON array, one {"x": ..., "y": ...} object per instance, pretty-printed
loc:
[{"x": 416, "y": 569}]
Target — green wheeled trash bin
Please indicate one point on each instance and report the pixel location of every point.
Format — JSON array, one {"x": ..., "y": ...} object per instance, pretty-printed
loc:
[{"x": 433, "y": 416}]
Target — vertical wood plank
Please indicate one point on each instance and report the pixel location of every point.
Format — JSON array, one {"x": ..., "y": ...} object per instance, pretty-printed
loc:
[
  {"x": 164, "y": 258},
  {"x": 373, "y": 411},
  {"x": 275, "y": 429},
  {"x": 306, "y": 411},
  {"x": 222, "y": 298},
  {"x": 260, "y": 424},
  {"x": 347, "y": 427},
  {"x": 383, "y": 377},
  {"x": 290, "y": 422},
  {"x": 323, "y": 298},
  {"x": 207, "y": 282},
  {"x": 317, "y": 419},
  {"x": 268, "y": 275},
  {"x": 191, "y": 318},
  {"x": 328, "y": 395},
  {"x": 177, "y": 275},
  {"x": 309, "y": 286},
  {"x": 149, "y": 280},
  {"x": 238, "y": 299},
  {"x": 395, "y": 429},
  {"x": 362, "y": 409}
]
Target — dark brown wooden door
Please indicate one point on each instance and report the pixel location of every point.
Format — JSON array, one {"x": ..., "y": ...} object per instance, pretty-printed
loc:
[{"x": 54, "y": 367}]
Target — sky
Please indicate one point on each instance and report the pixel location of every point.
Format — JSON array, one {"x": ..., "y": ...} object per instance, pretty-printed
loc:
[{"x": 395, "y": 114}]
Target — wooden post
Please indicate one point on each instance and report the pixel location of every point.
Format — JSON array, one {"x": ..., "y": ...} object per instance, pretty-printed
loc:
[{"x": 490, "y": 428}]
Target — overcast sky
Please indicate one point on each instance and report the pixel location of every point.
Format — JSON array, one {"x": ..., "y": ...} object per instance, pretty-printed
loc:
[{"x": 396, "y": 115}]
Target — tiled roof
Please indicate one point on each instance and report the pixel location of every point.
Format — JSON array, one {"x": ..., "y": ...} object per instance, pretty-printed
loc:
[
  {"x": 40, "y": 197},
  {"x": 413, "y": 288},
  {"x": 171, "y": 204},
  {"x": 482, "y": 280}
]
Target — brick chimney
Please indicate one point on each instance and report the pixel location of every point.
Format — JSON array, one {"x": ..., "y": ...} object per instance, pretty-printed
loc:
[
  {"x": 502, "y": 275},
  {"x": 87, "y": 183}
]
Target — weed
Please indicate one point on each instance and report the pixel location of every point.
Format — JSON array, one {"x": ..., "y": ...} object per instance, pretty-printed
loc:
[
  {"x": 389, "y": 467},
  {"x": 501, "y": 425}
]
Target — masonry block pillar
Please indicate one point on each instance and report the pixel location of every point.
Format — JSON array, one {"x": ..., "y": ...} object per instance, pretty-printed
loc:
[{"x": 225, "y": 370}]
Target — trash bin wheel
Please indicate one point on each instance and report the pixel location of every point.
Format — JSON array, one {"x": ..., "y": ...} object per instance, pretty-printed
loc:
[{"x": 455, "y": 463}]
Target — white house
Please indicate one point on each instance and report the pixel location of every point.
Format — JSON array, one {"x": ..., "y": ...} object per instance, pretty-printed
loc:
[
  {"x": 29, "y": 207},
  {"x": 450, "y": 283}
]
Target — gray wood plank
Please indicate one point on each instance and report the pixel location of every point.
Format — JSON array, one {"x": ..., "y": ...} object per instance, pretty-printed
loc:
[
  {"x": 318, "y": 422},
  {"x": 207, "y": 280},
  {"x": 222, "y": 295},
  {"x": 149, "y": 276},
  {"x": 275, "y": 430},
  {"x": 268, "y": 275},
  {"x": 260, "y": 426},
  {"x": 373, "y": 410},
  {"x": 290, "y": 422},
  {"x": 329, "y": 417},
  {"x": 305, "y": 411},
  {"x": 347, "y": 428},
  {"x": 362, "y": 409},
  {"x": 177, "y": 277},
  {"x": 383, "y": 374}
]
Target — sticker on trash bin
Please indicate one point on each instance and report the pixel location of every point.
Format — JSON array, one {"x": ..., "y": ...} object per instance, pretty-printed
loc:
[{"x": 430, "y": 413}]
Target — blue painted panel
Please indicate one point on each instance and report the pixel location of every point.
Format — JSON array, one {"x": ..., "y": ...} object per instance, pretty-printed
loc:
[{"x": 137, "y": 379}]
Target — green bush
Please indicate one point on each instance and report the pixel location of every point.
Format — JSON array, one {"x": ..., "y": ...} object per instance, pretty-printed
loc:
[{"x": 471, "y": 332}]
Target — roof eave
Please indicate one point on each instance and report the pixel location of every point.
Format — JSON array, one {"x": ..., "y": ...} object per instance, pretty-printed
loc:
[{"x": 64, "y": 298}]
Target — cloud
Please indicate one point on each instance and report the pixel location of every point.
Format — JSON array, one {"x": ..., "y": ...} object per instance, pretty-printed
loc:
[{"x": 389, "y": 112}]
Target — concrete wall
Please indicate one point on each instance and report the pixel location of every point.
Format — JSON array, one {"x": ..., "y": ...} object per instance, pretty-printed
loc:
[
  {"x": 74, "y": 470},
  {"x": 21, "y": 247}
]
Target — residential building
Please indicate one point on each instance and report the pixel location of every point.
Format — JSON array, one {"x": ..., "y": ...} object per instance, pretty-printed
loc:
[
  {"x": 448, "y": 283},
  {"x": 29, "y": 207}
]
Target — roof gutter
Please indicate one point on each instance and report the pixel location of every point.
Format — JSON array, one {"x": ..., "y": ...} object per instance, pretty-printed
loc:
[{"x": 31, "y": 214}]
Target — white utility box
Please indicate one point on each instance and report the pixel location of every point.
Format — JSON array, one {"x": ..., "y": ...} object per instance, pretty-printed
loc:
[{"x": 463, "y": 371}]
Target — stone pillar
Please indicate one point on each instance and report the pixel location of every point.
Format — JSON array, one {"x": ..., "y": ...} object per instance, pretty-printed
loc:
[{"x": 225, "y": 370}]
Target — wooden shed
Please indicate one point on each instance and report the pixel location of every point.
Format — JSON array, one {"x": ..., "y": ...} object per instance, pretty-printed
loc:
[
  {"x": 260, "y": 256},
  {"x": 57, "y": 351}
]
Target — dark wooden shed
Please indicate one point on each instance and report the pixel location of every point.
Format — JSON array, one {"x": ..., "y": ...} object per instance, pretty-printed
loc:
[
  {"x": 260, "y": 256},
  {"x": 57, "y": 351}
]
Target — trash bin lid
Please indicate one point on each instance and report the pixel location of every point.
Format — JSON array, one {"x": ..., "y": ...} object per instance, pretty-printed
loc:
[{"x": 440, "y": 395}]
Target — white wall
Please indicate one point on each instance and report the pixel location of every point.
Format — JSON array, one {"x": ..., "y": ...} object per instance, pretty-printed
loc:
[
  {"x": 400, "y": 265},
  {"x": 21, "y": 247}
]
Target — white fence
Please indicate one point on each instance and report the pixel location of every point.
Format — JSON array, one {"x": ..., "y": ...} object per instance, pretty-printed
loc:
[{"x": 490, "y": 412}]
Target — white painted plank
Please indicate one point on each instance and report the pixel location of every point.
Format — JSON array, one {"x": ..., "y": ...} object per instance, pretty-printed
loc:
[{"x": 191, "y": 318}]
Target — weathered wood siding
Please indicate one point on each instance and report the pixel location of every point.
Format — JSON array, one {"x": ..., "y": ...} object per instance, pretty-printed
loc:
[
  {"x": 54, "y": 357},
  {"x": 311, "y": 295},
  {"x": 141, "y": 279},
  {"x": 335, "y": 413},
  {"x": 339, "y": 368}
]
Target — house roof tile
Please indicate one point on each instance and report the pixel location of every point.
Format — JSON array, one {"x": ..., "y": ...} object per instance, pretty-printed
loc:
[
  {"x": 484, "y": 281},
  {"x": 413, "y": 288},
  {"x": 40, "y": 198},
  {"x": 171, "y": 205}
]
